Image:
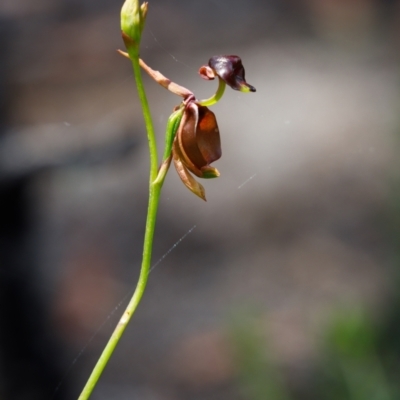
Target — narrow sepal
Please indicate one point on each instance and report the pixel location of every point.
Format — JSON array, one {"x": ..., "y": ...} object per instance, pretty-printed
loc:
[{"x": 187, "y": 178}]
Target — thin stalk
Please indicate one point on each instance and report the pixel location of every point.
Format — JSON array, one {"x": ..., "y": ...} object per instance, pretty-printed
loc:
[
  {"x": 147, "y": 119},
  {"x": 154, "y": 197},
  {"x": 216, "y": 97}
]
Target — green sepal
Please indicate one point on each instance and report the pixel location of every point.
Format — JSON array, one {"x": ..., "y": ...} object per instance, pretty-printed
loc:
[{"x": 172, "y": 127}]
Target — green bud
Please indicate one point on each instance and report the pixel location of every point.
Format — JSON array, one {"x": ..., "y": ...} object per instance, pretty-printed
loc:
[
  {"x": 133, "y": 18},
  {"x": 143, "y": 12}
]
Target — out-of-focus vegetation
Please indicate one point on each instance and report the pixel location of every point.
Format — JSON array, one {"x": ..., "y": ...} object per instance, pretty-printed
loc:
[
  {"x": 352, "y": 366},
  {"x": 356, "y": 361},
  {"x": 258, "y": 378}
]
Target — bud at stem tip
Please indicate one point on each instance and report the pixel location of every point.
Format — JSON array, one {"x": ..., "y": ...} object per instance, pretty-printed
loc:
[{"x": 133, "y": 18}]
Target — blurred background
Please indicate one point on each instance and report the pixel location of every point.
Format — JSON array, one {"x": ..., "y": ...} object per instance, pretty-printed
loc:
[{"x": 284, "y": 285}]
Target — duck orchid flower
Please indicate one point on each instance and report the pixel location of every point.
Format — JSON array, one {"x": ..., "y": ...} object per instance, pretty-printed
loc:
[
  {"x": 192, "y": 139},
  {"x": 197, "y": 142}
]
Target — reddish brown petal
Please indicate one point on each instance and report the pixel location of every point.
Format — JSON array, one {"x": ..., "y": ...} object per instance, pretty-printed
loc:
[
  {"x": 207, "y": 136},
  {"x": 187, "y": 139}
]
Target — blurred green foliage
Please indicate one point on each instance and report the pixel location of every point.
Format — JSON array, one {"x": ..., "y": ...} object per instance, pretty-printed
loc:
[
  {"x": 352, "y": 367},
  {"x": 354, "y": 362},
  {"x": 258, "y": 377}
]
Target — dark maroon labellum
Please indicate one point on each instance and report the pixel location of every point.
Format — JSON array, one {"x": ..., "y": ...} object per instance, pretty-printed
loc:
[{"x": 231, "y": 70}]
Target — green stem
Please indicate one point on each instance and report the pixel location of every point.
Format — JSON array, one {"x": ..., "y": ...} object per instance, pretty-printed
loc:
[
  {"x": 147, "y": 117},
  {"x": 154, "y": 197},
  {"x": 216, "y": 97}
]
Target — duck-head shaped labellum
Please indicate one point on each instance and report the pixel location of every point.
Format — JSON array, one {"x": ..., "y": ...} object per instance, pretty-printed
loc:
[
  {"x": 196, "y": 145},
  {"x": 230, "y": 69}
]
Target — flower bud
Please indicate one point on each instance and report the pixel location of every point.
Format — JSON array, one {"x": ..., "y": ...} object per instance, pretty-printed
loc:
[
  {"x": 133, "y": 18},
  {"x": 143, "y": 10}
]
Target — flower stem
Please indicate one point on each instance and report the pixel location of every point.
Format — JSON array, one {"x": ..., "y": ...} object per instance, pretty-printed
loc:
[
  {"x": 147, "y": 118},
  {"x": 154, "y": 197},
  {"x": 216, "y": 97}
]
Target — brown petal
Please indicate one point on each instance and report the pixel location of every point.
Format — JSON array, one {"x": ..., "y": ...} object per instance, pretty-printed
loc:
[
  {"x": 207, "y": 136},
  {"x": 186, "y": 178},
  {"x": 187, "y": 140}
]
